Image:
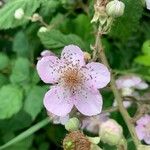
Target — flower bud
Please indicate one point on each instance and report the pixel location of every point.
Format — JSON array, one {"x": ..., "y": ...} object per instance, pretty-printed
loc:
[
  {"x": 94, "y": 140},
  {"x": 110, "y": 132},
  {"x": 76, "y": 140},
  {"x": 35, "y": 17},
  {"x": 87, "y": 56},
  {"x": 115, "y": 8},
  {"x": 95, "y": 147},
  {"x": 43, "y": 29},
  {"x": 19, "y": 13},
  {"x": 143, "y": 147},
  {"x": 72, "y": 124},
  {"x": 127, "y": 91}
]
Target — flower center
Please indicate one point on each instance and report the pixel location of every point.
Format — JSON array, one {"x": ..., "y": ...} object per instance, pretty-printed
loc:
[{"x": 72, "y": 78}]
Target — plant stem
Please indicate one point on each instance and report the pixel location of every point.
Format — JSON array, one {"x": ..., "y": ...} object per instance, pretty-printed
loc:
[
  {"x": 26, "y": 133},
  {"x": 123, "y": 111}
]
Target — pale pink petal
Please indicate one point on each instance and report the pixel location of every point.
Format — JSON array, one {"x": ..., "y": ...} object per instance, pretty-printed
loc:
[
  {"x": 57, "y": 101},
  {"x": 140, "y": 131},
  {"x": 143, "y": 120},
  {"x": 72, "y": 54},
  {"x": 148, "y": 4},
  {"x": 128, "y": 81},
  {"x": 47, "y": 68},
  {"x": 142, "y": 86},
  {"x": 99, "y": 74},
  {"x": 147, "y": 139},
  {"x": 88, "y": 103},
  {"x": 47, "y": 53}
]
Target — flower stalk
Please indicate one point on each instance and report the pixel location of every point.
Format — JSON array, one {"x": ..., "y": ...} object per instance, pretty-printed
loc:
[{"x": 99, "y": 49}]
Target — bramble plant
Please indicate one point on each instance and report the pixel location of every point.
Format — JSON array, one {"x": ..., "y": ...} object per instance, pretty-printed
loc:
[{"x": 75, "y": 74}]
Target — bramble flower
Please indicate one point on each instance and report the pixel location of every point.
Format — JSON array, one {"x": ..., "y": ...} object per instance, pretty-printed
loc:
[
  {"x": 75, "y": 83},
  {"x": 143, "y": 128},
  {"x": 127, "y": 85},
  {"x": 92, "y": 124},
  {"x": 131, "y": 81}
]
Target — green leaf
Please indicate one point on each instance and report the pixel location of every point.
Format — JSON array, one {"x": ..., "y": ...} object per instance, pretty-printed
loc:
[
  {"x": 143, "y": 60},
  {"x": 128, "y": 23},
  {"x": 21, "y": 45},
  {"x": 146, "y": 47},
  {"x": 10, "y": 101},
  {"x": 7, "y": 12},
  {"x": 82, "y": 27},
  {"x": 21, "y": 71},
  {"x": 4, "y": 61},
  {"x": 34, "y": 101},
  {"x": 17, "y": 122},
  {"x": 54, "y": 39},
  {"x": 3, "y": 80}
]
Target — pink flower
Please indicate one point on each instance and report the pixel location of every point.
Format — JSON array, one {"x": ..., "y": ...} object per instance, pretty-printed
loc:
[
  {"x": 92, "y": 124},
  {"x": 131, "y": 81},
  {"x": 75, "y": 83},
  {"x": 143, "y": 128}
]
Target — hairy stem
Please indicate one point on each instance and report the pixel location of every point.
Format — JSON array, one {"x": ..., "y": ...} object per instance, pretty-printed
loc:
[{"x": 123, "y": 111}]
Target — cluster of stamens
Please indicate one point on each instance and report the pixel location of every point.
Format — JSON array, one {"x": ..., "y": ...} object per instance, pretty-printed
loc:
[{"x": 72, "y": 78}]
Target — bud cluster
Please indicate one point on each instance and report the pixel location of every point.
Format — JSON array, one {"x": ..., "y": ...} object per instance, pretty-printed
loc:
[{"x": 106, "y": 12}]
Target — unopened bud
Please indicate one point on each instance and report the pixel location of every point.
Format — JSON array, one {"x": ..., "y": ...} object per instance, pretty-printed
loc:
[
  {"x": 87, "y": 56},
  {"x": 110, "y": 132},
  {"x": 35, "y": 17},
  {"x": 115, "y": 8},
  {"x": 143, "y": 147},
  {"x": 72, "y": 124},
  {"x": 127, "y": 91},
  {"x": 95, "y": 147},
  {"x": 43, "y": 29},
  {"x": 94, "y": 140},
  {"x": 19, "y": 13}
]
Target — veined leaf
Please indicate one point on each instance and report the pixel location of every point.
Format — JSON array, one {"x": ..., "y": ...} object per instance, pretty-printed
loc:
[
  {"x": 10, "y": 100},
  {"x": 7, "y": 12},
  {"x": 54, "y": 39}
]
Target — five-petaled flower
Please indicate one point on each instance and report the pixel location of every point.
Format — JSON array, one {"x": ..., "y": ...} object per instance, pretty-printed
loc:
[
  {"x": 143, "y": 128},
  {"x": 75, "y": 83}
]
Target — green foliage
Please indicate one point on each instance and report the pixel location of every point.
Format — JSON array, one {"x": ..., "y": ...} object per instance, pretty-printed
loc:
[
  {"x": 146, "y": 47},
  {"x": 20, "y": 71},
  {"x": 21, "y": 45},
  {"x": 3, "y": 80},
  {"x": 128, "y": 23},
  {"x": 10, "y": 101},
  {"x": 7, "y": 12},
  {"x": 143, "y": 60},
  {"x": 54, "y": 39},
  {"x": 4, "y": 61},
  {"x": 34, "y": 101}
]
